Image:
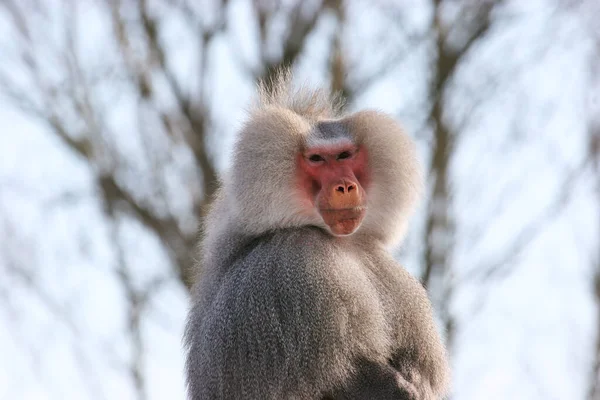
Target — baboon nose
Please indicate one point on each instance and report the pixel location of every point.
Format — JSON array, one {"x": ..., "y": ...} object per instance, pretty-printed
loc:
[
  {"x": 345, "y": 194},
  {"x": 345, "y": 188}
]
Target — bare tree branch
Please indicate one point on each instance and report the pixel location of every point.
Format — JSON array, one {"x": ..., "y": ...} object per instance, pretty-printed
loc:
[
  {"x": 439, "y": 231},
  {"x": 300, "y": 27}
]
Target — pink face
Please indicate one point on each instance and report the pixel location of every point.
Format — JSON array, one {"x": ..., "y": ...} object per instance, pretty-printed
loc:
[{"x": 333, "y": 178}]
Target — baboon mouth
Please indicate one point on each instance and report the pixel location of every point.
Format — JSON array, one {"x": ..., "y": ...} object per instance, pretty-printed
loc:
[
  {"x": 343, "y": 221},
  {"x": 348, "y": 209}
]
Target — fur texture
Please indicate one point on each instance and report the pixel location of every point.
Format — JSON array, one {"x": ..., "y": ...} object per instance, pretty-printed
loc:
[{"x": 284, "y": 310}]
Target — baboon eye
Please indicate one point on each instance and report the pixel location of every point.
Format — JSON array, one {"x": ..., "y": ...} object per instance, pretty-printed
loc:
[
  {"x": 316, "y": 158},
  {"x": 343, "y": 155}
]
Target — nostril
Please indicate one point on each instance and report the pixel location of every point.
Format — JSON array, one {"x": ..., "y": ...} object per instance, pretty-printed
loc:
[
  {"x": 340, "y": 189},
  {"x": 350, "y": 187}
]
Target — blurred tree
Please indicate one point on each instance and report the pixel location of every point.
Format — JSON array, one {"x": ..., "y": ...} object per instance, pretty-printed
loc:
[
  {"x": 143, "y": 94},
  {"x": 143, "y": 63},
  {"x": 593, "y": 154},
  {"x": 471, "y": 24}
]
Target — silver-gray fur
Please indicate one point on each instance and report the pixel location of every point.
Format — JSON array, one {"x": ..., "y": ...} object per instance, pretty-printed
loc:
[{"x": 284, "y": 310}]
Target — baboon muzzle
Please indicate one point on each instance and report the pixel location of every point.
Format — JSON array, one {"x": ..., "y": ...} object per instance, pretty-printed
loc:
[{"x": 341, "y": 206}]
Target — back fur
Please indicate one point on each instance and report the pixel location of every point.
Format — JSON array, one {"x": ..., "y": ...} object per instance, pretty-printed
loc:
[{"x": 293, "y": 314}]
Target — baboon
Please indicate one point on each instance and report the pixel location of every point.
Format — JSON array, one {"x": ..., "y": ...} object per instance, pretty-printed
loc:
[{"x": 298, "y": 296}]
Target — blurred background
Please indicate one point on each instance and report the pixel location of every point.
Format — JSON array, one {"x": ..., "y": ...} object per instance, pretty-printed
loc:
[{"x": 116, "y": 117}]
